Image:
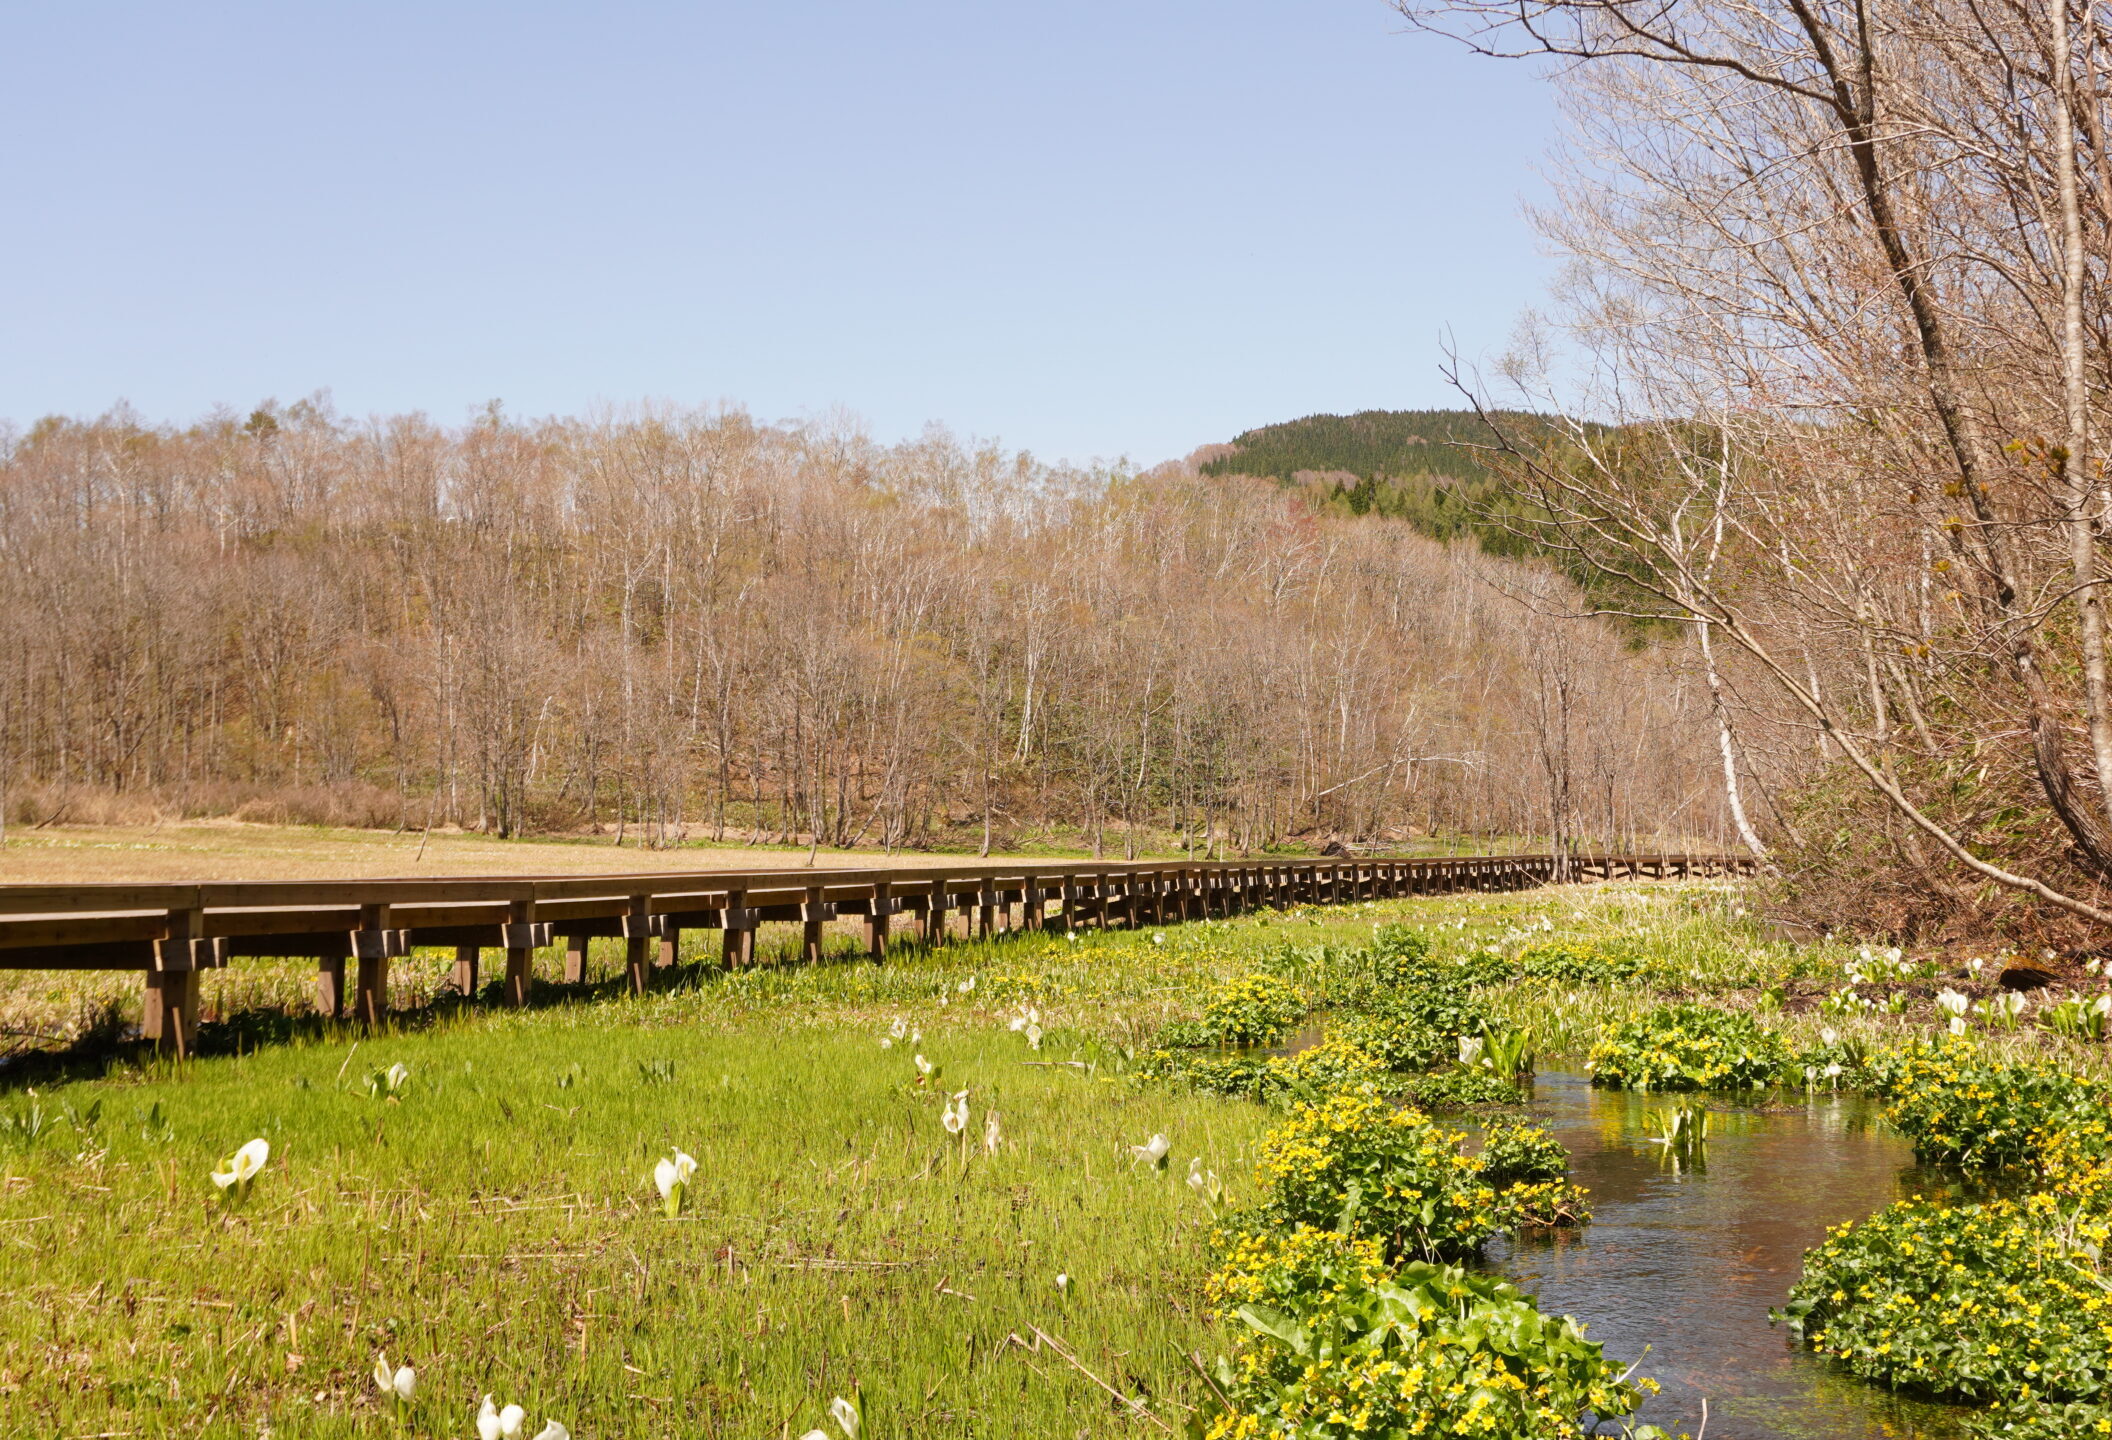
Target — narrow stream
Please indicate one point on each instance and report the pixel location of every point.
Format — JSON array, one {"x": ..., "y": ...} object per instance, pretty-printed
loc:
[{"x": 1689, "y": 1262}]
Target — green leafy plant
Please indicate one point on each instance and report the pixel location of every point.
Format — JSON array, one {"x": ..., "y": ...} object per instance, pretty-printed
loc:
[
  {"x": 23, "y": 1128},
  {"x": 1256, "y": 1010},
  {"x": 1969, "y": 1302},
  {"x": 1507, "y": 1052},
  {"x": 1460, "y": 1088},
  {"x": 1683, "y": 1130},
  {"x": 1318, "y": 1069},
  {"x": 1431, "y": 1351},
  {"x": 1356, "y": 1163},
  {"x": 1400, "y": 1041},
  {"x": 1577, "y": 962},
  {"x": 1959, "y": 1108},
  {"x": 1688, "y": 1047}
]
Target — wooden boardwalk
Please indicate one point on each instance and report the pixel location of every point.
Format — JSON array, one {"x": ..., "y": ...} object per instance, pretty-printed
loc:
[{"x": 170, "y": 933}]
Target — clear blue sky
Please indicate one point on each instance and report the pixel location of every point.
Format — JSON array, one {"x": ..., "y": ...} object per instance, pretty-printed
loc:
[{"x": 1096, "y": 228}]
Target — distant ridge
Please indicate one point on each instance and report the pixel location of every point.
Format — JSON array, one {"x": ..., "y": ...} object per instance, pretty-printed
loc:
[
  {"x": 1421, "y": 466},
  {"x": 1426, "y": 467}
]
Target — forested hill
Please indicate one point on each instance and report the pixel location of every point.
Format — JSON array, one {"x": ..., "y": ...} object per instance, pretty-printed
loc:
[
  {"x": 1423, "y": 466},
  {"x": 1427, "y": 467}
]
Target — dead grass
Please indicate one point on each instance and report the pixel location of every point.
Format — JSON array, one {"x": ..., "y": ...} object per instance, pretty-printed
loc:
[{"x": 224, "y": 850}]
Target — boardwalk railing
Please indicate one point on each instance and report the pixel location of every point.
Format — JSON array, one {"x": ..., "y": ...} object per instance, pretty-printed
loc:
[{"x": 170, "y": 933}]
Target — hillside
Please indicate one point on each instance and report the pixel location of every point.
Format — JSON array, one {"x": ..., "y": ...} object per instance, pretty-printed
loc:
[
  {"x": 1423, "y": 466},
  {"x": 1428, "y": 467}
]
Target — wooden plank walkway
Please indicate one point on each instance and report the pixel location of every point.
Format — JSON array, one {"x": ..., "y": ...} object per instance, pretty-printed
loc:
[{"x": 170, "y": 933}]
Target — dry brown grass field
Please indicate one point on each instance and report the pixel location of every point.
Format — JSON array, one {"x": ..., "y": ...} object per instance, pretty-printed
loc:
[{"x": 222, "y": 850}]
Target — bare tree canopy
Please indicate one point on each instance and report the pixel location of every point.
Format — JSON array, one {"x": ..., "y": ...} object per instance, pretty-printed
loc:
[
  {"x": 1839, "y": 284},
  {"x": 684, "y": 624}
]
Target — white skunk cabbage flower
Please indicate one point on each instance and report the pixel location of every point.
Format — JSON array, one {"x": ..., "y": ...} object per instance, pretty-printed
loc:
[
  {"x": 553, "y": 1431},
  {"x": 1470, "y": 1047},
  {"x": 1063, "y": 1283},
  {"x": 239, "y": 1169},
  {"x": 1951, "y": 1001},
  {"x": 401, "y": 1384},
  {"x": 955, "y": 1115},
  {"x": 1158, "y": 937},
  {"x": 925, "y": 1068},
  {"x": 1152, "y": 1152},
  {"x": 966, "y": 987},
  {"x": 1829, "y": 1036},
  {"x": 899, "y": 1030},
  {"x": 496, "y": 1424},
  {"x": 1957, "y": 1024},
  {"x": 671, "y": 1179},
  {"x": 991, "y": 1136},
  {"x": 1033, "y": 1037},
  {"x": 845, "y": 1414}
]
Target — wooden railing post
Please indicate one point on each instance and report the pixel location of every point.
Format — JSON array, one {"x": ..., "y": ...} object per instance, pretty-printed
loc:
[
  {"x": 935, "y": 914},
  {"x": 330, "y": 987},
  {"x": 737, "y": 931},
  {"x": 637, "y": 940},
  {"x": 169, "y": 1013},
  {"x": 814, "y": 915},
  {"x": 876, "y": 922},
  {"x": 520, "y": 950},
  {"x": 466, "y": 960},
  {"x": 1034, "y": 906},
  {"x": 575, "y": 957},
  {"x": 371, "y": 948}
]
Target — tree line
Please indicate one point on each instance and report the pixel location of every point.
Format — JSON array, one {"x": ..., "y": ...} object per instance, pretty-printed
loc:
[{"x": 682, "y": 625}]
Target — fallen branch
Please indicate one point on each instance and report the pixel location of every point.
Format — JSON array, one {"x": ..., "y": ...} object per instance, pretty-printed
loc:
[{"x": 1044, "y": 1338}]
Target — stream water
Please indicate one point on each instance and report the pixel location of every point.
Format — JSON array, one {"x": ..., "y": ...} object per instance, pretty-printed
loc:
[{"x": 1688, "y": 1262}]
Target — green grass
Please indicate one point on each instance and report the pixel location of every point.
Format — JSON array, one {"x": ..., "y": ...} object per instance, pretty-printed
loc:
[{"x": 496, "y": 1227}]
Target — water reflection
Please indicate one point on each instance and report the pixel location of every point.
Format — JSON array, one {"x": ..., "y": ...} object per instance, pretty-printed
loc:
[{"x": 1688, "y": 1260}]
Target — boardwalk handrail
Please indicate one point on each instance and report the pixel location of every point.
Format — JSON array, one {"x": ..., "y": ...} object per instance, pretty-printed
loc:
[{"x": 170, "y": 933}]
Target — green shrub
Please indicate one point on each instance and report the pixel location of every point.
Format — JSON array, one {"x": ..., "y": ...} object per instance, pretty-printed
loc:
[
  {"x": 1431, "y": 1352},
  {"x": 2041, "y": 1419},
  {"x": 1575, "y": 962},
  {"x": 1256, "y": 1010},
  {"x": 1511, "y": 1154},
  {"x": 1318, "y": 1070},
  {"x": 1238, "y": 1076},
  {"x": 1688, "y": 1047},
  {"x": 1397, "y": 954},
  {"x": 1186, "y": 1035},
  {"x": 1404, "y": 1043},
  {"x": 1287, "y": 1269},
  {"x": 1530, "y": 1170},
  {"x": 1960, "y": 1109},
  {"x": 1444, "y": 1007},
  {"x": 1354, "y": 1162},
  {"x": 1462, "y": 1088},
  {"x": 1974, "y": 1302}
]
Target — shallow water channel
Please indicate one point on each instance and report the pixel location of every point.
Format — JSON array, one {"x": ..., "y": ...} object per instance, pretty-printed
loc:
[{"x": 1688, "y": 1262}]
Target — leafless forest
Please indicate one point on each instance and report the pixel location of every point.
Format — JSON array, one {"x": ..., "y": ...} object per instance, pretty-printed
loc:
[
  {"x": 1840, "y": 290},
  {"x": 691, "y": 625}
]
